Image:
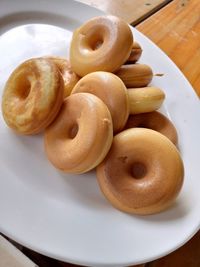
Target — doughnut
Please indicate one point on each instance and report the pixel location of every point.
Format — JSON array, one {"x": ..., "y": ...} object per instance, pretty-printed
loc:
[
  {"x": 32, "y": 96},
  {"x": 103, "y": 43},
  {"x": 155, "y": 121},
  {"x": 145, "y": 99},
  {"x": 143, "y": 172},
  {"x": 135, "y": 75},
  {"x": 81, "y": 135},
  {"x": 120, "y": 101},
  {"x": 70, "y": 78},
  {"x": 111, "y": 90},
  {"x": 136, "y": 53}
]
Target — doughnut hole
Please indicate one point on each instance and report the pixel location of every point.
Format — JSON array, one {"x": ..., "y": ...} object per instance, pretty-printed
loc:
[
  {"x": 69, "y": 131},
  {"x": 22, "y": 87},
  {"x": 94, "y": 41},
  {"x": 73, "y": 130},
  {"x": 138, "y": 170},
  {"x": 97, "y": 44}
]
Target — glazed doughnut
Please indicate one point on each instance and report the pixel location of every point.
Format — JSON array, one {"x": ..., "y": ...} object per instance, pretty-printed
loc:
[
  {"x": 102, "y": 44},
  {"x": 155, "y": 121},
  {"x": 135, "y": 75},
  {"x": 70, "y": 78},
  {"x": 136, "y": 53},
  {"x": 111, "y": 90},
  {"x": 32, "y": 96},
  {"x": 142, "y": 173},
  {"x": 81, "y": 135},
  {"x": 145, "y": 99}
]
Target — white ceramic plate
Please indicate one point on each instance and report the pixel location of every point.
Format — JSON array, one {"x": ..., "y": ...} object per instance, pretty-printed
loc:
[{"x": 66, "y": 216}]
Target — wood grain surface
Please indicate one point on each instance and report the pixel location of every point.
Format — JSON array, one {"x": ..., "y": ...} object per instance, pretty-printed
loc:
[
  {"x": 186, "y": 256},
  {"x": 176, "y": 30},
  {"x": 132, "y": 11}
]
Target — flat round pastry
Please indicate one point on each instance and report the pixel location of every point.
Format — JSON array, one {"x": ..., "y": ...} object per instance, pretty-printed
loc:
[
  {"x": 135, "y": 75},
  {"x": 145, "y": 99},
  {"x": 103, "y": 43},
  {"x": 142, "y": 173},
  {"x": 81, "y": 135},
  {"x": 32, "y": 96},
  {"x": 135, "y": 54},
  {"x": 111, "y": 90},
  {"x": 155, "y": 121}
]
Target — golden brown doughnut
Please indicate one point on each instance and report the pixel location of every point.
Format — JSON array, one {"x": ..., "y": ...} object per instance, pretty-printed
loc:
[
  {"x": 32, "y": 96},
  {"x": 102, "y": 44},
  {"x": 142, "y": 173},
  {"x": 155, "y": 121},
  {"x": 120, "y": 101},
  {"x": 135, "y": 75},
  {"x": 81, "y": 135},
  {"x": 70, "y": 78},
  {"x": 136, "y": 53},
  {"x": 109, "y": 88}
]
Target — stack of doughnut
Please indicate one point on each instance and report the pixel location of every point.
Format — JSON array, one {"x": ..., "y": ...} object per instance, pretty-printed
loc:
[{"x": 97, "y": 110}]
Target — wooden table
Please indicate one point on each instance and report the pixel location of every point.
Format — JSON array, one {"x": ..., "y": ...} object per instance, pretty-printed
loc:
[
  {"x": 176, "y": 30},
  {"x": 175, "y": 27}
]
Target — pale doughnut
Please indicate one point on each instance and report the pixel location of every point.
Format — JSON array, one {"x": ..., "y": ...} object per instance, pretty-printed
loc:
[
  {"x": 142, "y": 173},
  {"x": 32, "y": 96},
  {"x": 155, "y": 121},
  {"x": 81, "y": 135},
  {"x": 70, "y": 78},
  {"x": 109, "y": 88},
  {"x": 145, "y": 99},
  {"x": 102, "y": 44}
]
